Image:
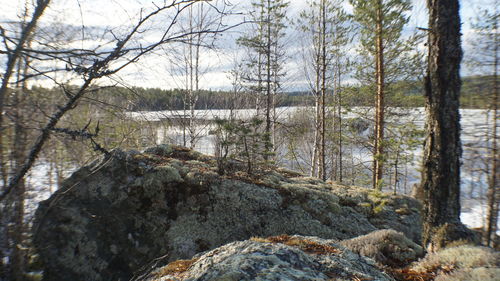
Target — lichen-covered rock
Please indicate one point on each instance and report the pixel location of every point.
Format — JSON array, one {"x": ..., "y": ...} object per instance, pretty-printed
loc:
[
  {"x": 115, "y": 215},
  {"x": 387, "y": 247},
  {"x": 275, "y": 258}
]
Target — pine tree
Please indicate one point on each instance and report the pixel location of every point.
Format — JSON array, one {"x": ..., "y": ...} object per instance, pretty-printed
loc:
[
  {"x": 381, "y": 23},
  {"x": 441, "y": 166},
  {"x": 265, "y": 61}
]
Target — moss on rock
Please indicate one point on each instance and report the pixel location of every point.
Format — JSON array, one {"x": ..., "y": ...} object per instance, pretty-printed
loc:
[{"x": 111, "y": 217}]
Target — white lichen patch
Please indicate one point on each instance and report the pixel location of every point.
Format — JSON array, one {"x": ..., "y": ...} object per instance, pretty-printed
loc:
[{"x": 162, "y": 175}]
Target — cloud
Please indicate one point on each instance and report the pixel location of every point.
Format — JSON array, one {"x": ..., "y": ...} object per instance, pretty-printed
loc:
[{"x": 101, "y": 17}]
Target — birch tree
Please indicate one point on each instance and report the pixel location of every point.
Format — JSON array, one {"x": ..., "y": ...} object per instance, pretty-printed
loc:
[
  {"x": 116, "y": 50},
  {"x": 324, "y": 25},
  {"x": 188, "y": 66}
]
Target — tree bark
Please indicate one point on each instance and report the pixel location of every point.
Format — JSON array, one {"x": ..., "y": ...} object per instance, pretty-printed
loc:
[
  {"x": 18, "y": 230},
  {"x": 337, "y": 163},
  {"x": 322, "y": 157},
  {"x": 315, "y": 158},
  {"x": 442, "y": 150},
  {"x": 267, "y": 134},
  {"x": 379, "y": 112},
  {"x": 12, "y": 59},
  {"x": 492, "y": 211}
]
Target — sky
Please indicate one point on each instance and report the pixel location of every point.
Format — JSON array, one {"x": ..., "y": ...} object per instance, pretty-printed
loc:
[{"x": 156, "y": 70}]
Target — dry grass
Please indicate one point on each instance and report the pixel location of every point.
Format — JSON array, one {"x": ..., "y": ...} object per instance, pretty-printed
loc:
[
  {"x": 458, "y": 263},
  {"x": 176, "y": 268},
  {"x": 310, "y": 247},
  {"x": 465, "y": 256},
  {"x": 407, "y": 274},
  {"x": 305, "y": 245}
]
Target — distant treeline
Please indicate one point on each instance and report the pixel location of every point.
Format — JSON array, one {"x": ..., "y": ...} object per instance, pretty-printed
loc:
[{"x": 475, "y": 94}]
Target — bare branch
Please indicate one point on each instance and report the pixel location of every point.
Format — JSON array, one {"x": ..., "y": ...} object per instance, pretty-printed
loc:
[{"x": 99, "y": 68}]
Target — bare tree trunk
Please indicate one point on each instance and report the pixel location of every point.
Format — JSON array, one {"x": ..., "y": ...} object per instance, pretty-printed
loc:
[
  {"x": 405, "y": 182},
  {"x": 50, "y": 172},
  {"x": 352, "y": 167},
  {"x": 276, "y": 89},
  {"x": 191, "y": 81},
  {"x": 492, "y": 211},
  {"x": 4, "y": 175},
  {"x": 441, "y": 164},
  {"x": 396, "y": 172},
  {"x": 340, "y": 154},
  {"x": 18, "y": 155},
  {"x": 315, "y": 157},
  {"x": 269, "y": 99},
  {"x": 15, "y": 203},
  {"x": 322, "y": 154},
  {"x": 16, "y": 225},
  {"x": 379, "y": 112},
  {"x": 259, "y": 85},
  {"x": 11, "y": 63},
  {"x": 335, "y": 139},
  {"x": 339, "y": 123}
]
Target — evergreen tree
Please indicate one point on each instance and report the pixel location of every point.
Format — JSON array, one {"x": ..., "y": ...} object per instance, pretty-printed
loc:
[
  {"x": 265, "y": 61},
  {"x": 440, "y": 184},
  {"x": 381, "y": 23}
]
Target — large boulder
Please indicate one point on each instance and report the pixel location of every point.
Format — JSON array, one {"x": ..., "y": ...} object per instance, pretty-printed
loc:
[
  {"x": 113, "y": 216},
  {"x": 275, "y": 258}
]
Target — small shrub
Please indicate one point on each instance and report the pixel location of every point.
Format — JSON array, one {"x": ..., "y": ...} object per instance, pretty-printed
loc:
[
  {"x": 160, "y": 150},
  {"x": 460, "y": 257},
  {"x": 476, "y": 274},
  {"x": 463, "y": 263},
  {"x": 380, "y": 207}
]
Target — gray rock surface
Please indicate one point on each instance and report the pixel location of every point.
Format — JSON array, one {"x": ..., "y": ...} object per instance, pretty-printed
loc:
[
  {"x": 309, "y": 258},
  {"x": 113, "y": 216}
]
